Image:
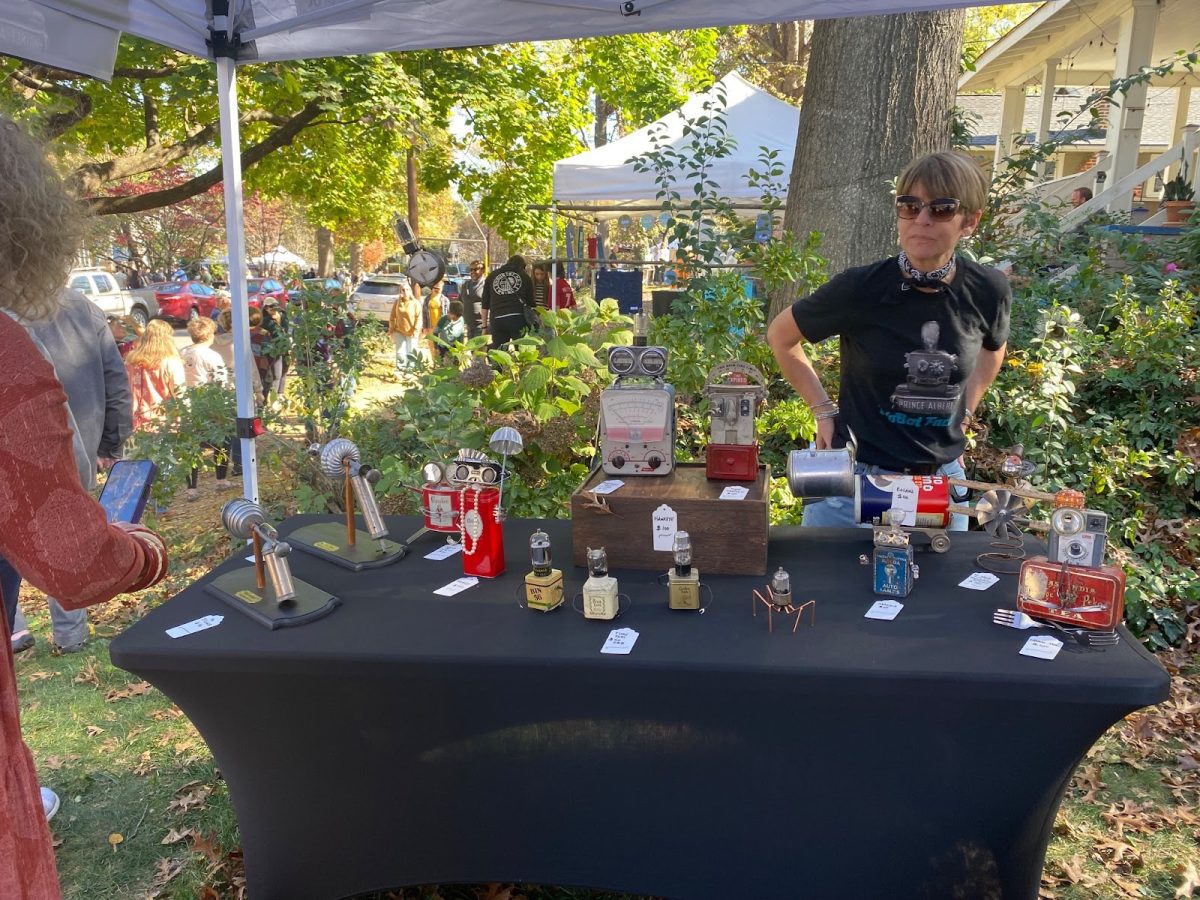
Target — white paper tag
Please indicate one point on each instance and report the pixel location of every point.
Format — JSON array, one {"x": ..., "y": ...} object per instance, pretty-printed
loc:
[
  {"x": 607, "y": 487},
  {"x": 734, "y": 492},
  {"x": 664, "y": 524},
  {"x": 904, "y": 501},
  {"x": 1042, "y": 646},
  {"x": 979, "y": 581},
  {"x": 444, "y": 552},
  {"x": 457, "y": 586},
  {"x": 195, "y": 625},
  {"x": 884, "y": 609},
  {"x": 620, "y": 640}
]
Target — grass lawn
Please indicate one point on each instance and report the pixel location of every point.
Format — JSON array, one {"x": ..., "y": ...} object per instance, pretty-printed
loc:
[{"x": 145, "y": 812}]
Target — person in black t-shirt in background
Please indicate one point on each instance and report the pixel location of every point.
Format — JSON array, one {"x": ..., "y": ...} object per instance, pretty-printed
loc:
[
  {"x": 506, "y": 294},
  {"x": 922, "y": 337}
]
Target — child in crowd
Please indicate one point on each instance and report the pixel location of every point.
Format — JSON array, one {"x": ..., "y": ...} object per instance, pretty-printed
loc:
[
  {"x": 201, "y": 363},
  {"x": 451, "y": 329},
  {"x": 155, "y": 371}
]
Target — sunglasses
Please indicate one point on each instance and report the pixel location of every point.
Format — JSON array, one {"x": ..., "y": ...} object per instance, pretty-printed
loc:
[{"x": 942, "y": 209}]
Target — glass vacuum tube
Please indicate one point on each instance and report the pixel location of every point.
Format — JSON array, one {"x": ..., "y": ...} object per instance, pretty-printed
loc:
[
  {"x": 597, "y": 562},
  {"x": 781, "y": 588},
  {"x": 683, "y": 553},
  {"x": 539, "y": 552}
]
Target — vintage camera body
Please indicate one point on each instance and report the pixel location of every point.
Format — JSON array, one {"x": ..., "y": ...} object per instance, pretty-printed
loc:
[
  {"x": 473, "y": 468},
  {"x": 1078, "y": 537}
]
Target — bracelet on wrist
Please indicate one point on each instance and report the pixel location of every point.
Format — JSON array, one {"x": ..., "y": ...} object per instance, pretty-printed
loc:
[{"x": 831, "y": 414}]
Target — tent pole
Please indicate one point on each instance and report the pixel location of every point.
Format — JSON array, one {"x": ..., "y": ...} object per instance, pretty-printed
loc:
[
  {"x": 235, "y": 238},
  {"x": 554, "y": 257}
]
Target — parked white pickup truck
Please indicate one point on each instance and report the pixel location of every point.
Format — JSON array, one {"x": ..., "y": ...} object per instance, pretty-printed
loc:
[{"x": 102, "y": 289}]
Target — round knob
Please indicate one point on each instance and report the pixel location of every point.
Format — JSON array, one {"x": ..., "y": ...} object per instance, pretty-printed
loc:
[
  {"x": 618, "y": 461},
  {"x": 654, "y": 461}
]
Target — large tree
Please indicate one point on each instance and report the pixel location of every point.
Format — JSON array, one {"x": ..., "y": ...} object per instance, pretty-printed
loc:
[{"x": 880, "y": 92}]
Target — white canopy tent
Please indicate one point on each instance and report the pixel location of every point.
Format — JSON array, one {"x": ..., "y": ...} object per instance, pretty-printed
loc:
[
  {"x": 82, "y": 36},
  {"x": 280, "y": 256},
  {"x": 755, "y": 118}
]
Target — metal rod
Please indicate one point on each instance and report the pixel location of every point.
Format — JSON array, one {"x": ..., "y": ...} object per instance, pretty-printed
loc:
[
  {"x": 348, "y": 502},
  {"x": 970, "y": 511},
  {"x": 1028, "y": 493},
  {"x": 260, "y": 577}
]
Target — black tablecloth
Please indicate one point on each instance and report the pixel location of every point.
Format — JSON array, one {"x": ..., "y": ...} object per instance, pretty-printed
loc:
[{"x": 409, "y": 738}]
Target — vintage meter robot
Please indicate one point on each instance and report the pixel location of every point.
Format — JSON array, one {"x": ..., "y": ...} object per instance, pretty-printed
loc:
[
  {"x": 544, "y": 585},
  {"x": 600, "y": 597},
  {"x": 683, "y": 581},
  {"x": 637, "y": 414},
  {"x": 735, "y": 392},
  {"x": 892, "y": 562}
]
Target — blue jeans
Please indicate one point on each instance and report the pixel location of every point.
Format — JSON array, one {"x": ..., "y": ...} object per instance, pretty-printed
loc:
[{"x": 838, "y": 512}]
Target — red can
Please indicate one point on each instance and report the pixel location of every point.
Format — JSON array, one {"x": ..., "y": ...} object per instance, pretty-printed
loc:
[
  {"x": 482, "y": 535},
  {"x": 873, "y": 499},
  {"x": 1085, "y": 596},
  {"x": 441, "y": 507}
]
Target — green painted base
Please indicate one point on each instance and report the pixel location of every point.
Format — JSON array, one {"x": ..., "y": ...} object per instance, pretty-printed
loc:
[
  {"x": 328, "y": 541},
  {"x": 239, "y": 590}
]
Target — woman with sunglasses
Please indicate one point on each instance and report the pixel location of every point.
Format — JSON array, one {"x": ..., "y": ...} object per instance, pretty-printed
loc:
[{"x": 922, "y": 337}]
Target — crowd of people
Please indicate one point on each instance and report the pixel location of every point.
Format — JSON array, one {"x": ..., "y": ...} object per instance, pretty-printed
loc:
[{"x": 503, "y": 305}]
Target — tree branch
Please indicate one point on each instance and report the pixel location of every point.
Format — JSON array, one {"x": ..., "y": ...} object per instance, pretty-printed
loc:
[
  {"x": 280, "y": 137},
  {"x": 58, "y": 123}
]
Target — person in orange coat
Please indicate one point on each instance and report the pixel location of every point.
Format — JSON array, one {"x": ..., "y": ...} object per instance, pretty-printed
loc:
[{"x": 54, "y": 534}]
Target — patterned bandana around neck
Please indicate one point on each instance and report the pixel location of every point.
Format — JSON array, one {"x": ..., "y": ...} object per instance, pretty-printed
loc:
[{"x": 924, "y": 279}]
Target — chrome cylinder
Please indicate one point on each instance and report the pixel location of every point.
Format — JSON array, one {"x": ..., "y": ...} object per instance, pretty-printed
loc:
[
  {"x": 365, "y": 497},
  {"x": 816, "y": 474},
  {"x": 279, "y": 571}
]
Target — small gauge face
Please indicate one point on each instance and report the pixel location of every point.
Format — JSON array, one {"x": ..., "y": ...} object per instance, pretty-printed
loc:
[
  {"x": 432, "y": 473},
  {"x": 488, "y": 474},
  {"x": 462, "y": 473},
  {"x": 654, "y": 362},
  {"x": 621, "y": 360}
]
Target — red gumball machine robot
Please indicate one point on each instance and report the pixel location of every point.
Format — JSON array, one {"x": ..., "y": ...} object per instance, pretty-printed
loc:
[{"x": 735, "y": 392}]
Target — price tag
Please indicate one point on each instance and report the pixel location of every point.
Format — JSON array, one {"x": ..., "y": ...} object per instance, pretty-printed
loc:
[
  {"x": 734, "y": 492},
  {"x": 904, "y": 501},
  {"x": 664, "y": 524},
  {"x": 457, "y": 586},
  {"x": 607, "y": 487},
  {"x": 444, "y": 552},
  {"x": 978, "y": 581},
  {"x": 620, "y": 640},
  {"x": 884, "y": 609},
  {"x": 1042, "y": 647},
  {"x": 195, "y": 625}
]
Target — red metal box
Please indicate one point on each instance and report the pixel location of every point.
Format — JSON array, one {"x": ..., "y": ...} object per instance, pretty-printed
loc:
[{"x": 1085, "y": 596}]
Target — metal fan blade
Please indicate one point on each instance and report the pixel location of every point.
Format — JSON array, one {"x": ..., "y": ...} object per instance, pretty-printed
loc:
[{"x": 1001, "y": 512}]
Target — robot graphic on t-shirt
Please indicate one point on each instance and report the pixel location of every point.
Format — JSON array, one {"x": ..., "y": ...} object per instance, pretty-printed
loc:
[{"x": 928, "y": 389}]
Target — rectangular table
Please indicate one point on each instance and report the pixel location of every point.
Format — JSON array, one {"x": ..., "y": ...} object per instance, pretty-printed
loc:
[{"x": 410, "y": 739}]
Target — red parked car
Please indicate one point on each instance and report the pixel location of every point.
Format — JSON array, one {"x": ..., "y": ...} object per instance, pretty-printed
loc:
[
  {"x": 184, "y": 300},
  {"x": 259, "y": 289}
]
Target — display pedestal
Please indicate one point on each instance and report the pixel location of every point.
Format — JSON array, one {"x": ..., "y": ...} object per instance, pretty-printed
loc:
[
  {"x": 729, "y": 537},
  {"x": 240, "y": 590},
  {"x": 328, "y": 541}
]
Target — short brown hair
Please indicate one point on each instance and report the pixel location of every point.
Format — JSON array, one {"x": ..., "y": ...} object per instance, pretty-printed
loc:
[
  {"x": 947, "y": 173},
  {"x": 201, "y": 329}
]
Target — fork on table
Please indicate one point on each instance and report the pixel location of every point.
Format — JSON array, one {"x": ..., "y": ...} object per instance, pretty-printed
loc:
[{"x": 1012, "y": 618}]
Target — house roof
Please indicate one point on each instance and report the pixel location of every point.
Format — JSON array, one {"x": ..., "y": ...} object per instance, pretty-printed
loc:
[
  {"x": 1157, "y": 125},
  {"x": 1083, "y": 35}
]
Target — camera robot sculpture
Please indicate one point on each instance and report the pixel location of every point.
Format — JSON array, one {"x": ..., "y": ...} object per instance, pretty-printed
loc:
[
  {"x": 267, "y": 593},
  {"x": 339, "y": 544}
]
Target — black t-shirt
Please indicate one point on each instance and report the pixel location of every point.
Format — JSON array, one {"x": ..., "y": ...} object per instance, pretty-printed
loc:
[
  {"x": 906, "y": 354},
  {"x": 506, "y": 292}
]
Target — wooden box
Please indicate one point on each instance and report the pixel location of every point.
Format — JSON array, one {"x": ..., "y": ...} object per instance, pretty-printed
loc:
[{"x": 729, "y": 537}]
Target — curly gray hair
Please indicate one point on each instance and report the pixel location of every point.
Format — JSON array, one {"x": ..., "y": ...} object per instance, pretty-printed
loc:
[{"x": 40, "y": 226}]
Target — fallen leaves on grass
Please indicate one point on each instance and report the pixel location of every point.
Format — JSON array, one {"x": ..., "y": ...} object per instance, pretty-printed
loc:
[
  {"x": 136, "y": 689},
  {"x": 41, "y": 676},
  {"x": 193, "y": 795},
  {"x": 93, "y": 730},
  {"x": 54, "y": 763},
  {"x": 88, "y": 673},
  {"x": 1191, "y": 880}
]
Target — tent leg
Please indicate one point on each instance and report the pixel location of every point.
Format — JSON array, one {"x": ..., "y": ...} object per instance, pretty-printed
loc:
[
  {"x": 554, "y": 256},
  {"x": 231, "y": 162}
]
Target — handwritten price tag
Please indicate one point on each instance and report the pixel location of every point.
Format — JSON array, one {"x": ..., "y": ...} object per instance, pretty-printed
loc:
[
  {"x": 1042, "y": 647},
  {"x": 904, "y": 501},
  {"x": 884, "y": 609},
  {"x": 620, "y": 640},
  {"x": 457, "y": 586},
  {"x": 979, "y": 581},
  {"x": 734, "y": 492},
  {"x": 664, "y": 524},
  {"x": 607, "y": 487},
  {"x": 444, "y": 552},
  {"x": 195, "y": 625}
]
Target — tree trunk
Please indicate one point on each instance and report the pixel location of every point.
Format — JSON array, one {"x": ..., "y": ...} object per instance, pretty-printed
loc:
[
  {"x": 324, "y": 252},
  {"x": 879, "y": 93},
  {"x": 356, "y": 263},
  {"x": 604, "y": 110},
  {"x": 412, "y": 192}
]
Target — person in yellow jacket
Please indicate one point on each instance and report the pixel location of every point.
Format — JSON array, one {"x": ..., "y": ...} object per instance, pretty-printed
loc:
[{"x": 404, "y": 327}]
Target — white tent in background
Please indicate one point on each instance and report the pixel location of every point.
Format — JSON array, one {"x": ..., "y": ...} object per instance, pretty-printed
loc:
[
  {"x": 753, "y": 117},
  {"x": 82, "y": 35},
  {"x": 280, "y": 256}
]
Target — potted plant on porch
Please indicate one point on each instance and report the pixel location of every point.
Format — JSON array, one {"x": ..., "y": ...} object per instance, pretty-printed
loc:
[{"x": 1177, "y": 197}]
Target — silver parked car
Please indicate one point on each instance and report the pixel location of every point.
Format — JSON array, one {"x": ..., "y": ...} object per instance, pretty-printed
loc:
[{"x": 373, "y": 298}]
